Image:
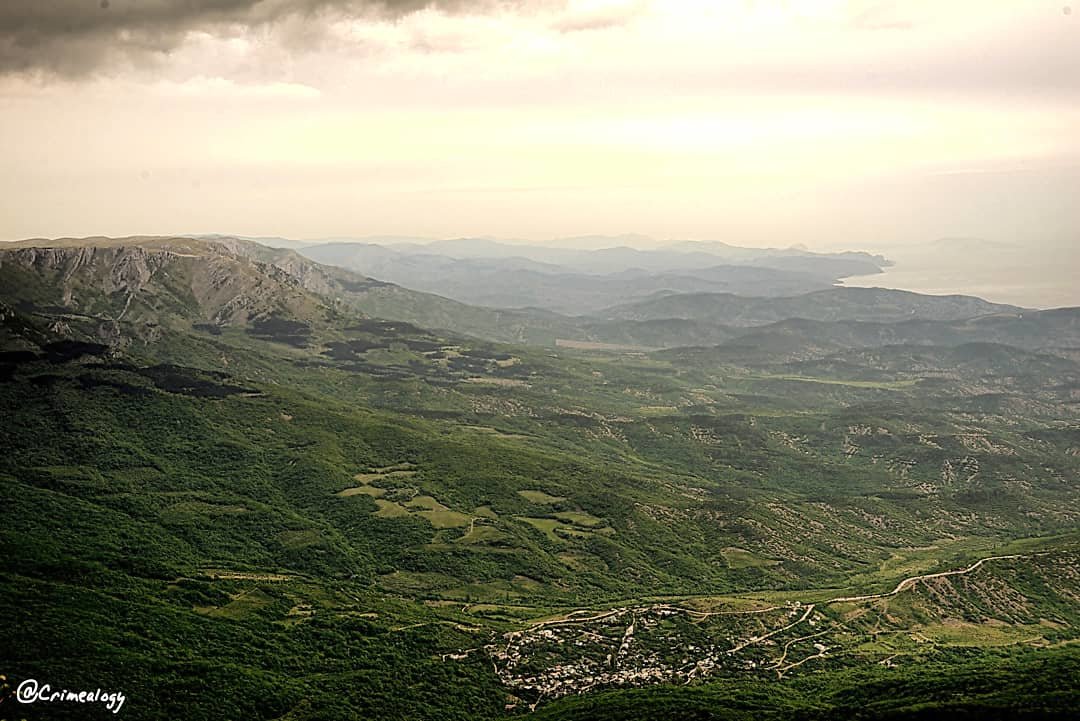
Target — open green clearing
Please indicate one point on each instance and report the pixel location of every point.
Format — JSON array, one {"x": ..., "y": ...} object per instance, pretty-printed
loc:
[{"x": 540, "y": 497}]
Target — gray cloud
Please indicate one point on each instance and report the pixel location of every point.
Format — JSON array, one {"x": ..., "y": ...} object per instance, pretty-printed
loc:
[
  {"x": 74, "y": 38},
  {"x": 598, "y": 19}
]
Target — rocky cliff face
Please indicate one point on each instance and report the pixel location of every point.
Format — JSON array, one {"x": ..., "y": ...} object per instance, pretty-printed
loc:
[
  {"x": 116, "y": 269},
  {"x": 147, "y": 285}
]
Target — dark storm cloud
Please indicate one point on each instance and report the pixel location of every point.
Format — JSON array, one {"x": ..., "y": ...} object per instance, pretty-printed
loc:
[{"x": 76, "y": 37}]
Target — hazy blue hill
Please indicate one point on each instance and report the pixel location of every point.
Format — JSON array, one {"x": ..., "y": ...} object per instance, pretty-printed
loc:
[
  {"x": 580, "y": 280},
  {"x": 269, "y": 241},
  {"x": 518, "y": 282},
  {"x": 392, "y": 260},
  {"x": 243, "y": 279},
  {"x": 1054, "y": 331},
  {"x": 658, "y": 333},
  {"x": 726, "y": 250},
  {"x": 609, "y": 254},
  {"x": 991, "y": 365},
  {"x": 779, "y": 342},
  {"x": 983, "y": 358},
  {"x": 484, "y": 283},
  {"x": 836, "y": 304},
  {"x": 380, "y": 299}
]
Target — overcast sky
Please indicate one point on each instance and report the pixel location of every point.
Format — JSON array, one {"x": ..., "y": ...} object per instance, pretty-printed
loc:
[{"x": 859, "y": 123}]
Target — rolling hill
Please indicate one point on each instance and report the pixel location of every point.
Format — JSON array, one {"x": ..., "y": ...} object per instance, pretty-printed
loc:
[
  {"x": 223, "y": 470},
  {"x": 490, "y": 273},
  {"x": 837, "y": 304}
]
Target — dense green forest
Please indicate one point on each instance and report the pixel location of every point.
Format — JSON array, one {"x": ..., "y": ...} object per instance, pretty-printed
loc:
[{"x": 287, "y": 509}]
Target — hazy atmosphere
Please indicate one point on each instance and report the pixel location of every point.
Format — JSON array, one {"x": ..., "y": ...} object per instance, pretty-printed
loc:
[{"x": 832, "y": 123}]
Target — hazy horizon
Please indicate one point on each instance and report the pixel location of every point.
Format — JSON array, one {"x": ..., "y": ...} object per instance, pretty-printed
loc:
[
  {"x": 945, "y": 266},
  {"x": 826, "y": 123}
]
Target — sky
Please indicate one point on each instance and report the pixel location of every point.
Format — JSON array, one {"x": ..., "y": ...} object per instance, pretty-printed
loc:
[{"x": 865, "y": 124}]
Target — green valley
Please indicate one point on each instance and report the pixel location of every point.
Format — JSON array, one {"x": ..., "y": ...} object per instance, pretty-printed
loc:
[{"x": 236, "y": 486}]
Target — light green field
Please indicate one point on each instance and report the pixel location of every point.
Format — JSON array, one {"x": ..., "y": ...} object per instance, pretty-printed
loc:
[
  {"x": 400, "y": 471},
  {"x": 591, "y": 346},
  {"x": 741, "y": 558},
  {"x": 546, "y": 525},
  {"x": 414, "y": 582},
  {"x": 571, "y": 531},
  {"x": 502, "y": 382},
  {"x": 580, "y": 518},
  {"x": 446, "y": 518},
  {"x": 481, "y": 534},
  {"x": 399, "y": 467},
  {"x": 491, "y": 592},
  {"x": 655, "y": 411},
  {"x": 389, "y": 509},
  {"x": 540, "y": 497},
  {"x": 981, "y": 634},
  {"x": 426, "y": 503},
  {"x": 242, "y": 605},
  {"x": 363, "y": 491},
  {"x": 884, "y": 385},
  {"x": 526, "y": 584}
]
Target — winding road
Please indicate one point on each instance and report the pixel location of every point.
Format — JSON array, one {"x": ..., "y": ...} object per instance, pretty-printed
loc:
[{"x": 911, "y": 581}]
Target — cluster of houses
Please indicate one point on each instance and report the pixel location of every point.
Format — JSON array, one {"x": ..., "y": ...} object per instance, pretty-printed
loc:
[{"x": 626, "y": 647}]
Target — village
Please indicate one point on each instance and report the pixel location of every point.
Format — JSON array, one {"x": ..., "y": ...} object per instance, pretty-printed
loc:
[{"x": 637, "y": 646}]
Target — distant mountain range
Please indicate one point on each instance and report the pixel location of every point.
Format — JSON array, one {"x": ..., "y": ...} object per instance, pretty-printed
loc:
[
  {"x": 96, "y": 282},
  {"x": 577, "y": 281},
  {"x": 859, "y": 304},
  {"x": 89, "y": 286}
]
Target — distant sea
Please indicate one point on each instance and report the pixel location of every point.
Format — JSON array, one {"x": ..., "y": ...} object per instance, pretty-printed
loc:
[{"x": 1036, "y": 278}]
